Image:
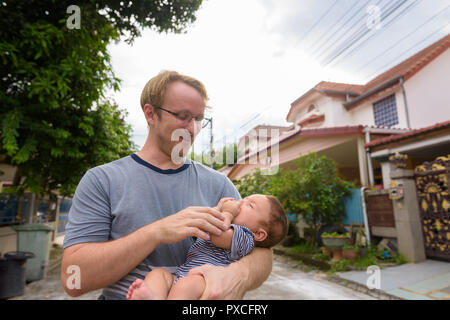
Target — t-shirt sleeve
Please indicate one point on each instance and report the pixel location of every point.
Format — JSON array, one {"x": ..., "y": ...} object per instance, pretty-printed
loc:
[
  {"x": 229, "y": 190},
  {"x": 89, "y": 218},
  {"x": 242, "y": 243}
]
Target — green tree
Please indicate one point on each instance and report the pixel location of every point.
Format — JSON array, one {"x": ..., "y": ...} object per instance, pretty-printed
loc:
[
  {"x": 256, "y": 182},
  {"x": 314, "y": 190},
  {"x": 220, "y": 157},
  {"x": 55, "y": 121}
]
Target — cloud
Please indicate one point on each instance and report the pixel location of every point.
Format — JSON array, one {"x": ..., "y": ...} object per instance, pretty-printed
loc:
[{"x": 250, "y": 58}]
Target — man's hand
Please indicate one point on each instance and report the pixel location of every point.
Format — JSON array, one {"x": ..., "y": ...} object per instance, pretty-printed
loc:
[
  {"x": 233, "y": 281},
  {"x": 222, "y": 283},
  {"x": 190, "y": 222}
]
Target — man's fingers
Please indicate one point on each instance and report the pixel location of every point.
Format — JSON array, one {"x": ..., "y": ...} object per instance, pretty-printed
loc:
[
  {"x": 212, "y": 211},
  {"x": 205, "y": 226},
  {"x": 196, "y": 232},
  {"x": 203, "y": 270},
  {"x": 209, "y": 219},
  {"x": 200, "y": 270}
]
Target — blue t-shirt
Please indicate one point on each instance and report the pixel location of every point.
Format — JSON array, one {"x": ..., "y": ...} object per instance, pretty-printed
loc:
[{"x": 115, "y": 199}]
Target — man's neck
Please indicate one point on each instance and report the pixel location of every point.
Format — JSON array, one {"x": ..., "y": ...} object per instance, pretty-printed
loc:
[{"x": 152, "y": 154}]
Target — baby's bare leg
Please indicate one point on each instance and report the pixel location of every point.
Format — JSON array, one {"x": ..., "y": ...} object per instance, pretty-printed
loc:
[
  {"x": 190, "y": 287},
  {"x": 156, "y": 286}
]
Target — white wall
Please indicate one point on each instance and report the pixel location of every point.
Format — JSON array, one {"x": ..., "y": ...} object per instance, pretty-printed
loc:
[
  {"x": 363, "y": 114},
  {"x": 428, "y": 93}
]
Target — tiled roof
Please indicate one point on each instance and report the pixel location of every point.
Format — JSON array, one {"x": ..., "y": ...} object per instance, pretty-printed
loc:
[
  {"x": 342, "y": 87},
  {"x": 394, "y": 138},
  {"x": 330, "y": 89},
  {"x": 312, "y": 119},
  {"x": 412, "y": 65},
  {"x": 406, "y": 69},
  {"x": 287, "y": 136}
]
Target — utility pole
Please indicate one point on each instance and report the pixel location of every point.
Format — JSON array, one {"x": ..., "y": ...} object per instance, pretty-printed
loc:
[{"x": 211, "y": 142}]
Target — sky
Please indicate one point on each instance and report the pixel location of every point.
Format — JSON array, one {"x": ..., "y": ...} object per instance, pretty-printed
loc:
[{"x": 256, "y": 57}]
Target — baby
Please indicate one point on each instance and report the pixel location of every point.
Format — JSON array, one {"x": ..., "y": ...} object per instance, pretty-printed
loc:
[{"x": 258, "y": 220}]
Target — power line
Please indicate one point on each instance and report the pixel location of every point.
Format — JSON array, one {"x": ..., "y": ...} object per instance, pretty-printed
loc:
[
  {"x": 403, "y": 39},
  {"x": 320, "y": 53},
  {"x": 330, "y": 29},
  {"x": 316, "y": 23},
  {"x": 404, "y": 52},
  {"x": 247, "y": 122},
  {"x": 361, "y": 33},
  {"x": 398, "y": 17}
]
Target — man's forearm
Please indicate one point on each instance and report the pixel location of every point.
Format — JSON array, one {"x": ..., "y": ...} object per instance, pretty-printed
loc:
[
  {"x": 103, "y": 263},
  {"x": 256, "y": 267}
]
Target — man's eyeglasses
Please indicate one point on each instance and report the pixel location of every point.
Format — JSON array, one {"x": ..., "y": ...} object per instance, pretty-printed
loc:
[{"x": 186, "y": 116}]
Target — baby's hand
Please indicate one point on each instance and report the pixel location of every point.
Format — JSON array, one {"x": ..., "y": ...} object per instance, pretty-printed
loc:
[
  {"x": 222, "y": 201},
  {"x": 232, "y": 207}
]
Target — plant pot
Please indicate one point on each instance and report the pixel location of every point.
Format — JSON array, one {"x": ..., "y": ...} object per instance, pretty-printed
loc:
[
  {"x": 335, "y": 243},
  {"x": 326, "y": 251},
  {"x": 350, "y": 254},
  {"x": 337, "y": 255}
]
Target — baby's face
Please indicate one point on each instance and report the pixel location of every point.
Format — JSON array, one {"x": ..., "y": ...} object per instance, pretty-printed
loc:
[{"x": 253, "y": 211}]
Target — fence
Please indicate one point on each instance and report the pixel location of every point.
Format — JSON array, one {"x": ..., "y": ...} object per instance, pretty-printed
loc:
[
  {"x": 15, "y": 209},
  {"x": 353, "y": 208},
  {"x": 12, "y": 209}
]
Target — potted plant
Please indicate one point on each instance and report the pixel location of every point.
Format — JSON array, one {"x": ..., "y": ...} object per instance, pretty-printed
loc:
[
  {"x": 326, "y": 251},
  {"x": 350, "y": 252},
  {"x": 335, "y": 241}
]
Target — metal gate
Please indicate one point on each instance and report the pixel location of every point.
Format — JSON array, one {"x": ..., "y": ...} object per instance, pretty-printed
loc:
[{"x": 432, "y": 180}]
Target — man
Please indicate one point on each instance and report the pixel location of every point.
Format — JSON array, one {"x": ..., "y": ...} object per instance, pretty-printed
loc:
[{"x": 141, "y": 212}]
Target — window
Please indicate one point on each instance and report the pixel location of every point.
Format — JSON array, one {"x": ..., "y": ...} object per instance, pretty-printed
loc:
[
  {"x": 311, "y": 108},
  {"x": 385, "y": 112}
]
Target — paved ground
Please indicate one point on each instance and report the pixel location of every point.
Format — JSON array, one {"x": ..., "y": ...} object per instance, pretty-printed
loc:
[
  {"x": 427, "y": 280},
  {"x": 286, "y": 282}
]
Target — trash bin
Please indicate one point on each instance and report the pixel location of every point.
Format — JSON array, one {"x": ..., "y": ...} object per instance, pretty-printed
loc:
[
  {"x": 35, "y": 238},
  {"x": 12, "y": 273}
]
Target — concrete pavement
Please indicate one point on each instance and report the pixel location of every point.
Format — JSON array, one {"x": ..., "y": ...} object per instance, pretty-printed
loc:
[
  {"x": 288, "y": 281},
  {"x": 427, "y": 280}
]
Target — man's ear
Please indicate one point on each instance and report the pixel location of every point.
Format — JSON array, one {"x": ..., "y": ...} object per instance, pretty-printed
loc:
[
  {"x": 150, "y": 114},
  {"x": 260, "y": 235}
]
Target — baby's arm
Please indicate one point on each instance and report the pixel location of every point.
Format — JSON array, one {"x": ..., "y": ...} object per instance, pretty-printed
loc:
[
  {"x": 224, "y": 240},
  {"x": 230, "y": 209}
]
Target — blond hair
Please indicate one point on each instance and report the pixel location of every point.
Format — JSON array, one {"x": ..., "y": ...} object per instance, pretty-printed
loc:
[{"x": 156, "y": 87}]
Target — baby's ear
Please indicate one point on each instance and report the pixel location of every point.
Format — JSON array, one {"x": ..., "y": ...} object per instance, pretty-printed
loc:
[{"x": 260, "y": 235}]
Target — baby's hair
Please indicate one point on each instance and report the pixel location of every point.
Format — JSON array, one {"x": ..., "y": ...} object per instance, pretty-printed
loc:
[{"x": 277, "y": 226}]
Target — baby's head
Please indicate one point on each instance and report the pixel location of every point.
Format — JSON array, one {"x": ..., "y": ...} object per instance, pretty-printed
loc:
[{"x": 265, "y": 217}]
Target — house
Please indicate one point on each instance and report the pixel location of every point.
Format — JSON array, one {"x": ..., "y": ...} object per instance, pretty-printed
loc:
[
  {"x": 338, "y": 119},
  {"x": 417, "y": 212},
  {"x": 421, "y": 145}
]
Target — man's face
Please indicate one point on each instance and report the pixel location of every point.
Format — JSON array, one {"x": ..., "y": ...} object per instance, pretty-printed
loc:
[{"x": 178, "y": 97}]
